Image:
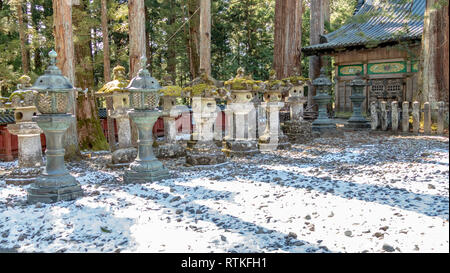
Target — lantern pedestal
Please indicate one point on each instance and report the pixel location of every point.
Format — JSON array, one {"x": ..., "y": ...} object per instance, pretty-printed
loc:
[
  {"x": 202, "y": 149},
  {"x": 123, "y": 127},
  {"x": 241, "y": 136},
  {"x": 30, "y": 153},
  {"x": 146, "y": 167},
  {"x": 323, "y": 123},
  {"x": 55, "y": 183},
  {"x": 169, "y": 148},
  {"x": 297, "y": 129},
  {"x": 273, "y": 137},
  {"x": 357, "y": 121}
]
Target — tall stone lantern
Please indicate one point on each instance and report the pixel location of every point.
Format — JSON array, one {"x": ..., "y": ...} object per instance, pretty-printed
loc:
[
  {"x": 121, "y": 105},
  {"x": 297, "y": 129},
  {"x": 144, "y": 100},
  {"x": 170, "y": 148},
  {"x": 240, "y": 139},
  {"x": 202, "y": 150},
  {"x": 357, "y": 121},
  {"x": 28, "y": 133},
  {"x": 273, "y": 137},
  {"x": 323, "y": 86},
  {"x": 52, "y": 101}
]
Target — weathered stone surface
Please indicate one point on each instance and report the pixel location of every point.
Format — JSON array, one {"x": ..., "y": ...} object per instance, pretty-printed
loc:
[
  {"x": 55, "y": 183},
  {"x": 440, "y": 117},
  {"x": 405, "y": 116},
  {"x": 298, "y": 131},
  {"x": 374, "y": 116},
  {"x": 427, "y": 118},
  {"x": 23, "y": 176},
  {"x": 205, "y": 153},
  {"x": 240, "y": 147},
  {"x": 416, "y": 116},
  {"x": 384, "y": 116},
  {"x": 394, "y": 116},
  {"x": 169, "y": 150},
  {"x": 126, "y": 155}
]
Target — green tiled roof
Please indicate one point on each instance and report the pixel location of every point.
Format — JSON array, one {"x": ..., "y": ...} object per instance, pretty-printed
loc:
[{"x": 386, "y": 22}]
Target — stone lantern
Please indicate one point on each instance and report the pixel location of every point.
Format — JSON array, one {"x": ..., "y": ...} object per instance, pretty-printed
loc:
[
  {"x": 121, "y": 105},
  {"x": 144, "y": 100},
  {"x": 323, "y": 86},
  {"x": 169, "y": 94},
  {"x": 357, "y": 121},
  {"x": 273, "y": 137},
  {"x": 202, "y": 150},
  {"x": 28, "y": 133},
  {"x": 240, "y": 139},
  {"x": 297, "y": 129},
  {"x": 52, "y": 101}
]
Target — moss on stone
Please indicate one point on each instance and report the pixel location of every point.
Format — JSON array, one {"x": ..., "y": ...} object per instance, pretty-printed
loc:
[
  {"x": 171, "y": 91},
  {"x": 295, "y": 79},
  {"x": 198, "y": 89}
]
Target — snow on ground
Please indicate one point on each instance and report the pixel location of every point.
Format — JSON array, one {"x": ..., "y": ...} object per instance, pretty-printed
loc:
[{"x": 358, "y": 193}]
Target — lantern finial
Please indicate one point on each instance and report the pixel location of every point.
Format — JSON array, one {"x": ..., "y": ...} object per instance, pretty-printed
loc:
[{"x": 52, "y": 54}]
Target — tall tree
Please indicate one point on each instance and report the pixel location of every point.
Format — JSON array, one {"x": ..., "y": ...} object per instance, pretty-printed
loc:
[
  {"x": 62, "y": 21},
  {"x": 107, "y": 72},
  {"x": 434, "y": 75},
  {"x": 90, "y": 133},
  {"x": 205, "y": 36},
  {"x": 23, "y": 38},
  {"x": 194, "y": 37},
  {"x": 288, "y": 35},
  {"x": 316, "y": 29},
  {"x": 136, "y": 18}
]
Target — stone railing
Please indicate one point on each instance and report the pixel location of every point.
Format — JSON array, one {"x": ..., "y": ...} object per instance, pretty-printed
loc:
[{"x": 397, "y": 117}]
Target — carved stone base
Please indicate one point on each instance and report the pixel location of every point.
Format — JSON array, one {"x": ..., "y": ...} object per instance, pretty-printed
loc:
[
  {"x": 240, "y": 147},
  {"x": 363, "y": 124},
  {"x": 169, "y": 150},
  {"x": 23, "y": 176},
  {"x": 122, "y": 157},
  {"x": 50, "y": 189},
  {"x": 298, "y": 131},
  {"x": 266, "y": 143},
  {"x": 206, "y": 153},
  {"x": 145, "y": 171}
]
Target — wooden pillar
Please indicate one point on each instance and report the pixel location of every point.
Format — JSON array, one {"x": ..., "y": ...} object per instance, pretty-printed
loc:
[
  {"x": 205, "y": 36},
  {"x": 8, "y": 146}
]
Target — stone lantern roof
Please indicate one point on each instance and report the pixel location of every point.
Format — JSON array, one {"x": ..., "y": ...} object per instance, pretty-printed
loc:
[
  {"x": 322, "y": 80},
  {"x": 143, "y": 82},
  {"x": 52, "y": 79}
]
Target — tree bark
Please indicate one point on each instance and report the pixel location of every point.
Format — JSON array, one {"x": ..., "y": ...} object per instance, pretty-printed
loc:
[
  {"x": 107, "y": 73},
  {"x": 194, "y": 37},
  {"x": 171, "y": 50},
  {"x": 316, "y": 29},
  {"x": 136, "y": 20},
  {"x": 205, "y": 36},
  {"x": 434, "y": 74},
  {"x": 288, "y": 37},
  {"x": 90, "y": 133},
  {"x": 23, "y": 39},
  {"x": 62, "y": 22}
]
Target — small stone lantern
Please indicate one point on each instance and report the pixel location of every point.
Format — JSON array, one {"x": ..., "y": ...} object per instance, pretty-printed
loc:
[
  {"x": 28, "y": 134},
  {"x": 297, "y": 129},
  {"x": 240, "y": 139},
  {"x": 121, "y": 104},
  {"x": 273, "y": 137},
  {"x": 202, "y": 150},
  {"x": 357, "y": 121},
  {"x": 170, "y": 148},
  {"x": 144, "y": 100},
  {"x": 52, "y": 101},
  {"x": 323, "y": 86}
]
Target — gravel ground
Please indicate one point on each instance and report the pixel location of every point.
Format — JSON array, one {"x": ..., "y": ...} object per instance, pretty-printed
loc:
[{"x": 357, "y": 193}]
